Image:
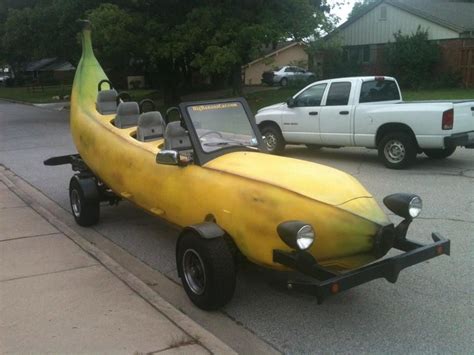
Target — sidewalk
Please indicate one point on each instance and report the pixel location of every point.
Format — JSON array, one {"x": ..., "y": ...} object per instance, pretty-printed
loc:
[{"x": 57, "y": 298}]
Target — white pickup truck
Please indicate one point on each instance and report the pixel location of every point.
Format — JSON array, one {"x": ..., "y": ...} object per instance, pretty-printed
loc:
[{"x": 368, "y": 112}]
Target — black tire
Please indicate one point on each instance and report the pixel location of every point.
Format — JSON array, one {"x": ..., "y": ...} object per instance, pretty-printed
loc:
[
  {"x": 313, "y": 147},
  {"x": 274, "y": 141},
  {"x": 439, "y": 153},
  {"x": 284, "y": 82},
  {"x": 397, "y": 150},
  {"x": 86, "y": 211},
  {"x": 207, "y": 269}
]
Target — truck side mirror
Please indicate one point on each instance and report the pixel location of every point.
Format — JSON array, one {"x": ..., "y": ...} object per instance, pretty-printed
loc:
[{"x": 291, "y": 102}]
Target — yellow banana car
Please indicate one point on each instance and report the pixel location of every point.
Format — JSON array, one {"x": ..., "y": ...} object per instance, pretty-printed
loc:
[{"x": 208, "y": 173}]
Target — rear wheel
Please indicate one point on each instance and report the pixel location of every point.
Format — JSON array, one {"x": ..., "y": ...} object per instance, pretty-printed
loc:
[
  {"x": 284, "y": 82},
  {"x": 274, "y": 140},
  {"x": 207, "y": 270},
  {"x": 440, "y": 153},
  {"x": 86, "y": 211},
  {"x": 397, "y": 150}
]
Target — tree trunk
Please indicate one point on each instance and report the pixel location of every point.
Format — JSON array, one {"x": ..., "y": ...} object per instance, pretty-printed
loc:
[{"x": 237, "y": 80}]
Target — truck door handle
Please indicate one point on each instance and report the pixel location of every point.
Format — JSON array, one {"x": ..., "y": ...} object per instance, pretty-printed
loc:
[
  {"x": 344, "y": 112},
  {"x": 313, "y": 113}
]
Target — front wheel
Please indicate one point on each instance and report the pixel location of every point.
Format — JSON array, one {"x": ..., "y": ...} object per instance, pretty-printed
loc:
[
  {"x": 397, "y": 150},
  {"x": 86, "y": 210},
  {"x": 439, "y": 153},
  {"x": 274, "y": 140},
  {"x": 207, "y": 270}
]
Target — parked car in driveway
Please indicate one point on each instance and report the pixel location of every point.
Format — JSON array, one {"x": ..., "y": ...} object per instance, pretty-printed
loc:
[
  {"x": 368, "y": 112},
  {"x": 287, "y": 74}
]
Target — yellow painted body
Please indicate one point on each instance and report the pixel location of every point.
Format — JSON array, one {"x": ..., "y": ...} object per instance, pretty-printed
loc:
[{"x": 248, "y": 193}]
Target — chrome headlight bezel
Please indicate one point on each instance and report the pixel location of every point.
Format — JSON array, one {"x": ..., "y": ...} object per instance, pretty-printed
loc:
[{"x": 297, "y": 235}]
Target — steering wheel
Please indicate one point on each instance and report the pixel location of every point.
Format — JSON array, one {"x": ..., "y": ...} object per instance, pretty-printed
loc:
[
  {"x": 149, "y": 102},
  {"x": 212, "y": 132},
  {"x": 124, "y": 97}
]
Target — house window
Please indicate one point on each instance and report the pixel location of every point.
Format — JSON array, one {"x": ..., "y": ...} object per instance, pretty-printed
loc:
[{"x": 383, "y": 13}]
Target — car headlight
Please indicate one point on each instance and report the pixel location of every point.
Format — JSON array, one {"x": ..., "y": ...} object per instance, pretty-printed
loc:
[
  {"x": 407, "y": 206},
  {"x": 296, "y": 234},
  {"x": 415, "y": 206}
]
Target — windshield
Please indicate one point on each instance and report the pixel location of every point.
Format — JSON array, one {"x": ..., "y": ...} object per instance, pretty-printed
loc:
[{"x": 222, "y": 125}]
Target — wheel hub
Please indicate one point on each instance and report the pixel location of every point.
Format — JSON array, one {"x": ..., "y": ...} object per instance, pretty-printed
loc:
[
  {"x": 394, "y": 151},
  {"x": 75, "y": 203},
  {"x": 194, "y": 272},
  {"x": 271, "y": 141}
]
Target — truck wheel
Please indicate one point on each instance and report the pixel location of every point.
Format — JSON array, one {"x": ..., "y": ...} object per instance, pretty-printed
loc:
[
  {"x": 274, "y": 140},
  {"x": 207, "y": 270},
  {"x": 439, "y": 153},
  {"x": 86, "y": 211},
  {"x": 397, "y": 150},
  {"x": 284, "y": 82}
]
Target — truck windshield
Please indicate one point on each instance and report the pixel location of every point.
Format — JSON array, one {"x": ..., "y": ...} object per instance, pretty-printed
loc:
[
  {"x": 222, "y": 125},
  {"x": 379, "y": 90}
]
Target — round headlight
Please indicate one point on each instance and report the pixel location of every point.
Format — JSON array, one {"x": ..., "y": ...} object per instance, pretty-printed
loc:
[
  {"x": 415, "y": 206},
  {"x": 305, "y": 237}
]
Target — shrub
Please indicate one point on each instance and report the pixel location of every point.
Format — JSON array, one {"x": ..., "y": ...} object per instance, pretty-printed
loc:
[{"x": 412, "y": 58}]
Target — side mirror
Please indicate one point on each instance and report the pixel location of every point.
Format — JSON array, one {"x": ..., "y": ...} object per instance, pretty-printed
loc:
[
  {"x": 291, "y": 102},
  {"x": 168, "y": 157}
]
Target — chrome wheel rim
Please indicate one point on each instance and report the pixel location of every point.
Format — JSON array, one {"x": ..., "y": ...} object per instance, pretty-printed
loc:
[
  {"x": 194, "y": 272},
  {"x": 271, "y": 141},
  {"x": 75, "y": 203},
  {"x": 394, "y": 151}
]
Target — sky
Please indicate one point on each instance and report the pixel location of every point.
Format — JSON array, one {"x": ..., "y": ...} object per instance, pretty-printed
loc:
[{"x": 343, "y": 10}]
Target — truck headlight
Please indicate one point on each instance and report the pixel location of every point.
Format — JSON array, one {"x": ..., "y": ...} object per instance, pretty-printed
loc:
[
  {"x": 407, "y": 206},
  {"x": 296, "y": 234}
]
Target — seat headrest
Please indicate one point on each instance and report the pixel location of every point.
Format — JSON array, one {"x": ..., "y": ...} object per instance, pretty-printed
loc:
[
  {"x": 127, "y": 114},
  {"x": 106, "y": 102},
  {"x": 150, "y": 126},
  {"x": 176, "y": 137},
  {"x": 150, "y": 119}
]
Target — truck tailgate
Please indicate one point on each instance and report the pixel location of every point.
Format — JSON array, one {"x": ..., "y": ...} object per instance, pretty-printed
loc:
[{"x": 463, "y": 116}]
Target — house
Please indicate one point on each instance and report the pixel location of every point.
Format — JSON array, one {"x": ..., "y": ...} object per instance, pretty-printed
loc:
[
  {"x": 49, "y": 70},
  {"x": 286, "y": 53},
  {"x": 448, "y": 22}
]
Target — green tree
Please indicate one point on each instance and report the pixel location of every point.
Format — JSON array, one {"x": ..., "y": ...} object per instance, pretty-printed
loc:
[
  {"x": 412, "y": 58},
  {"x": 116, "y": 36},
  {"x": 359, "y": 7}
]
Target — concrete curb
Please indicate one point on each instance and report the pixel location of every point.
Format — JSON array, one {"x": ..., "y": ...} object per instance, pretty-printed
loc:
[
  {"x": 32, "y": 197},
  {"x": 67, "y": 104}
]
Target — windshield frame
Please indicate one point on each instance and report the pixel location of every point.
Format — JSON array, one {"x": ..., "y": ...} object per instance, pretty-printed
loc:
[{"x": 200, "y": 156}]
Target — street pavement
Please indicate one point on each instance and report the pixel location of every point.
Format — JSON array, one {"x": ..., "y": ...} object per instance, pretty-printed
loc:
[{"x": 429, "y": 309}]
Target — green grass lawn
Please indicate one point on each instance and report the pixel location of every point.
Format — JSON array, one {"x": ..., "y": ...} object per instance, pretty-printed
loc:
[
  {"x": 438, "y": 94},
  {"x": 256, "y": 99},
  {"x": 37, "y": 96},
  {"x": 46, "y": 95},
  {"x": 261, "y": 99}
]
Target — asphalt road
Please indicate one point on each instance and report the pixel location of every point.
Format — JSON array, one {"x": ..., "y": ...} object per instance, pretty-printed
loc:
[{"x": 430, "y": 308}]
